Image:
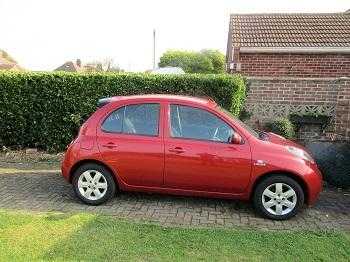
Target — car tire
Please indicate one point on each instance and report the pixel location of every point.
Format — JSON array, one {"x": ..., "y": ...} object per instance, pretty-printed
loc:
[
  {"x": 93, "y": 184},
  {"x": 278, "y": 197}
]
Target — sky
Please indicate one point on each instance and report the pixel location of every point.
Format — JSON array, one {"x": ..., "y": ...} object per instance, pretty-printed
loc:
[{"x": 43, "y": 34}]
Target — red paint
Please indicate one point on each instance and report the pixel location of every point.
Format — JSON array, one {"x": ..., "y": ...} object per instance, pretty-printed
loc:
[{"x": 185, "y": 166}]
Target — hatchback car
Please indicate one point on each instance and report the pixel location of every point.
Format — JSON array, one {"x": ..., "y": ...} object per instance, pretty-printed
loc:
[{"x": 187, "y": 146}]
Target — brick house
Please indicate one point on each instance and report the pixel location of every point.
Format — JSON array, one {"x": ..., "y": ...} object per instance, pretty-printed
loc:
[
  {"x": 77, "y": 66},
  {"x": 70, "y": 66},
  {"x": 295, "y": 64}
]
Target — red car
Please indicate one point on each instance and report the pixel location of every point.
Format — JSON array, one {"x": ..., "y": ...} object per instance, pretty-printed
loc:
[{"x": 187, "y": 146}]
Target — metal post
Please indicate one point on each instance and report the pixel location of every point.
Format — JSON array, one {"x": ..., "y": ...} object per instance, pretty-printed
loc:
[{"x": 154, "y": 49}]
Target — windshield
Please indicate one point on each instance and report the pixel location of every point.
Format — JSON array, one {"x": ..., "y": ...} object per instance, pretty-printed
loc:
[{"x": 242, "y": 124}]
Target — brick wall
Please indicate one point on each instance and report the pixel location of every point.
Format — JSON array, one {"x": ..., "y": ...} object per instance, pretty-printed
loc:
[
  {"x": 293, "y": 91},
  {"x": 269, "y": 98},
  {"x": 294, "y": 65},
  {"x": 342, "y": 111}
]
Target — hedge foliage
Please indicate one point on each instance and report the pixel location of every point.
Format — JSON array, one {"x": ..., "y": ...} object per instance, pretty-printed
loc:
[
  {"x": 283, "y": 127},
  {"x": 45, "y": 110}
]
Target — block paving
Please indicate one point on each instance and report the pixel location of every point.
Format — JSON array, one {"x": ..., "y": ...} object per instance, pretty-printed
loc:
[{"x": 50, "y": 192}]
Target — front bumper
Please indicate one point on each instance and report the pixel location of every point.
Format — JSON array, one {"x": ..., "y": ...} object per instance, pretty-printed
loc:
[{"x": 313, "y": 181}]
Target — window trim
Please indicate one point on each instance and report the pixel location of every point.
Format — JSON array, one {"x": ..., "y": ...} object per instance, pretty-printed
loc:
[
  {"x": 196, "y": 139},
  {"x": 132, "y": 134}
]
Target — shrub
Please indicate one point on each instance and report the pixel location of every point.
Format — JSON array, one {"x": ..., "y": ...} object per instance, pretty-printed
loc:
[
  {"x": 282, "y": 126},
  {"x": 333, "y": 160},
  {"x": 46, "y": 109}
]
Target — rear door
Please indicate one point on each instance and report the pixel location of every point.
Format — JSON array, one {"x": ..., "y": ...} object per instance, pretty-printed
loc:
[{"x": 130, "y": 139}]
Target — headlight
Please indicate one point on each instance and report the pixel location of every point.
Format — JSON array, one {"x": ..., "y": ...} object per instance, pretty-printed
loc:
[{"x": 300, "y": 153}]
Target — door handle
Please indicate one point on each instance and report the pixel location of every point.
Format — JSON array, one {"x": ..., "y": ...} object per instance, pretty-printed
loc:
[
  {"x": 110, "y": 145},
  {"x": 176, "y": 150}
]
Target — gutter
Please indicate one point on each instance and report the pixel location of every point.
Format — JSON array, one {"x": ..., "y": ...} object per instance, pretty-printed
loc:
[
  {"x": 295, "y": 78},
  {"x": 314, "y": 50}
]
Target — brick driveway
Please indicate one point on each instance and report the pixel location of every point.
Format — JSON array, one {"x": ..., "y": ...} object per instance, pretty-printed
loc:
[{"x": 49, "y": 192}]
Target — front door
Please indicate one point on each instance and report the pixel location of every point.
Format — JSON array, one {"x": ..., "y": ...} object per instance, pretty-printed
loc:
[
  {"x": 199, "y": 155},
  {"x": 130, "y": 141}
]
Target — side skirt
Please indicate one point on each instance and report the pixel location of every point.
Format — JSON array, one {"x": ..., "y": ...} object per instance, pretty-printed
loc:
[{"x": 184, "y": 192}]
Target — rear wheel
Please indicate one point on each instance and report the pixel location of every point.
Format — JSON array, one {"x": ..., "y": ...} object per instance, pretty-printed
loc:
[
  {"x": 278, "y": 197},
  {"x": 93, "y": 184}
]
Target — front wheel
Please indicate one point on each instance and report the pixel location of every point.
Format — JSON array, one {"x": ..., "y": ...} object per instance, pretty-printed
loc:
[
  {"x": 278, "y": 197},
  {"x": 93, "y": 184}
]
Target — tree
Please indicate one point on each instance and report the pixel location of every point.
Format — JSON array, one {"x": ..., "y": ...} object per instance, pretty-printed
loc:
[
  {"x": 206, "y": 61},
  {"x": 217, "y": 59}
]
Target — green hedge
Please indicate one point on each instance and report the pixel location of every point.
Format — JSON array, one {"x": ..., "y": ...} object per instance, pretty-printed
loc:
[{"x": 45, "y": 110}]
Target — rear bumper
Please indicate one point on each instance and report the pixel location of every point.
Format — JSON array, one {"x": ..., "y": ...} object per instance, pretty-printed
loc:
[
  {"x": 68, "y": 161},
  {"x": 65, "y": 170}
]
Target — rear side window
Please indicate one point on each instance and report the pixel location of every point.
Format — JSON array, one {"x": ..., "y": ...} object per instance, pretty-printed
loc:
[{"x": 139, "y": 119}]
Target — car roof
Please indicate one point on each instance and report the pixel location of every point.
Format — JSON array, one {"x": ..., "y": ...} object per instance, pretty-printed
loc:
[{"x": 207, "y": 101}]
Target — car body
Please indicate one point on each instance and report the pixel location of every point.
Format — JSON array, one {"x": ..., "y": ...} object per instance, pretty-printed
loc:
[{"x": 188, "y": 146}]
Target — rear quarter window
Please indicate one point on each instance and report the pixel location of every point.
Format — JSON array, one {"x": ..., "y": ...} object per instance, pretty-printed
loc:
[{"x": 113, "y": 123}]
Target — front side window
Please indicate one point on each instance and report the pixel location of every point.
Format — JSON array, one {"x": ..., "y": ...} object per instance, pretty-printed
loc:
[
  {"x": 139, "y": 119},
  {"x": 245, "y": 126},
  {"x": 194, "y": 123}
]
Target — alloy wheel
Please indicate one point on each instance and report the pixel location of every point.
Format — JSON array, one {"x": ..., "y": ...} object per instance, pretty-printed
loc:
[
  {"x": 279, "y": 199},
  {"x": 92, "y": 185}
]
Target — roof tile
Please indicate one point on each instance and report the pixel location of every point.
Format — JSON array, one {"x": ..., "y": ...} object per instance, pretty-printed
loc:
[{"x": 290, "y": 30}]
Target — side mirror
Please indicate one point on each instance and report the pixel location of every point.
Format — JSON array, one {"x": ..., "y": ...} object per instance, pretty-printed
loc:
[{"x": 236, "y": 139}]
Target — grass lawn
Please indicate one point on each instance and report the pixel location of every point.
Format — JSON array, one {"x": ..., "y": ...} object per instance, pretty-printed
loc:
[{"x": 62, "y": 237}]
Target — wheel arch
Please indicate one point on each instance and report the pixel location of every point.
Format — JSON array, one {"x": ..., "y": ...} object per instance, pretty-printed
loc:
[
  {"x": 291, "y": 175},
  {"x": 92, "y": 161}
]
